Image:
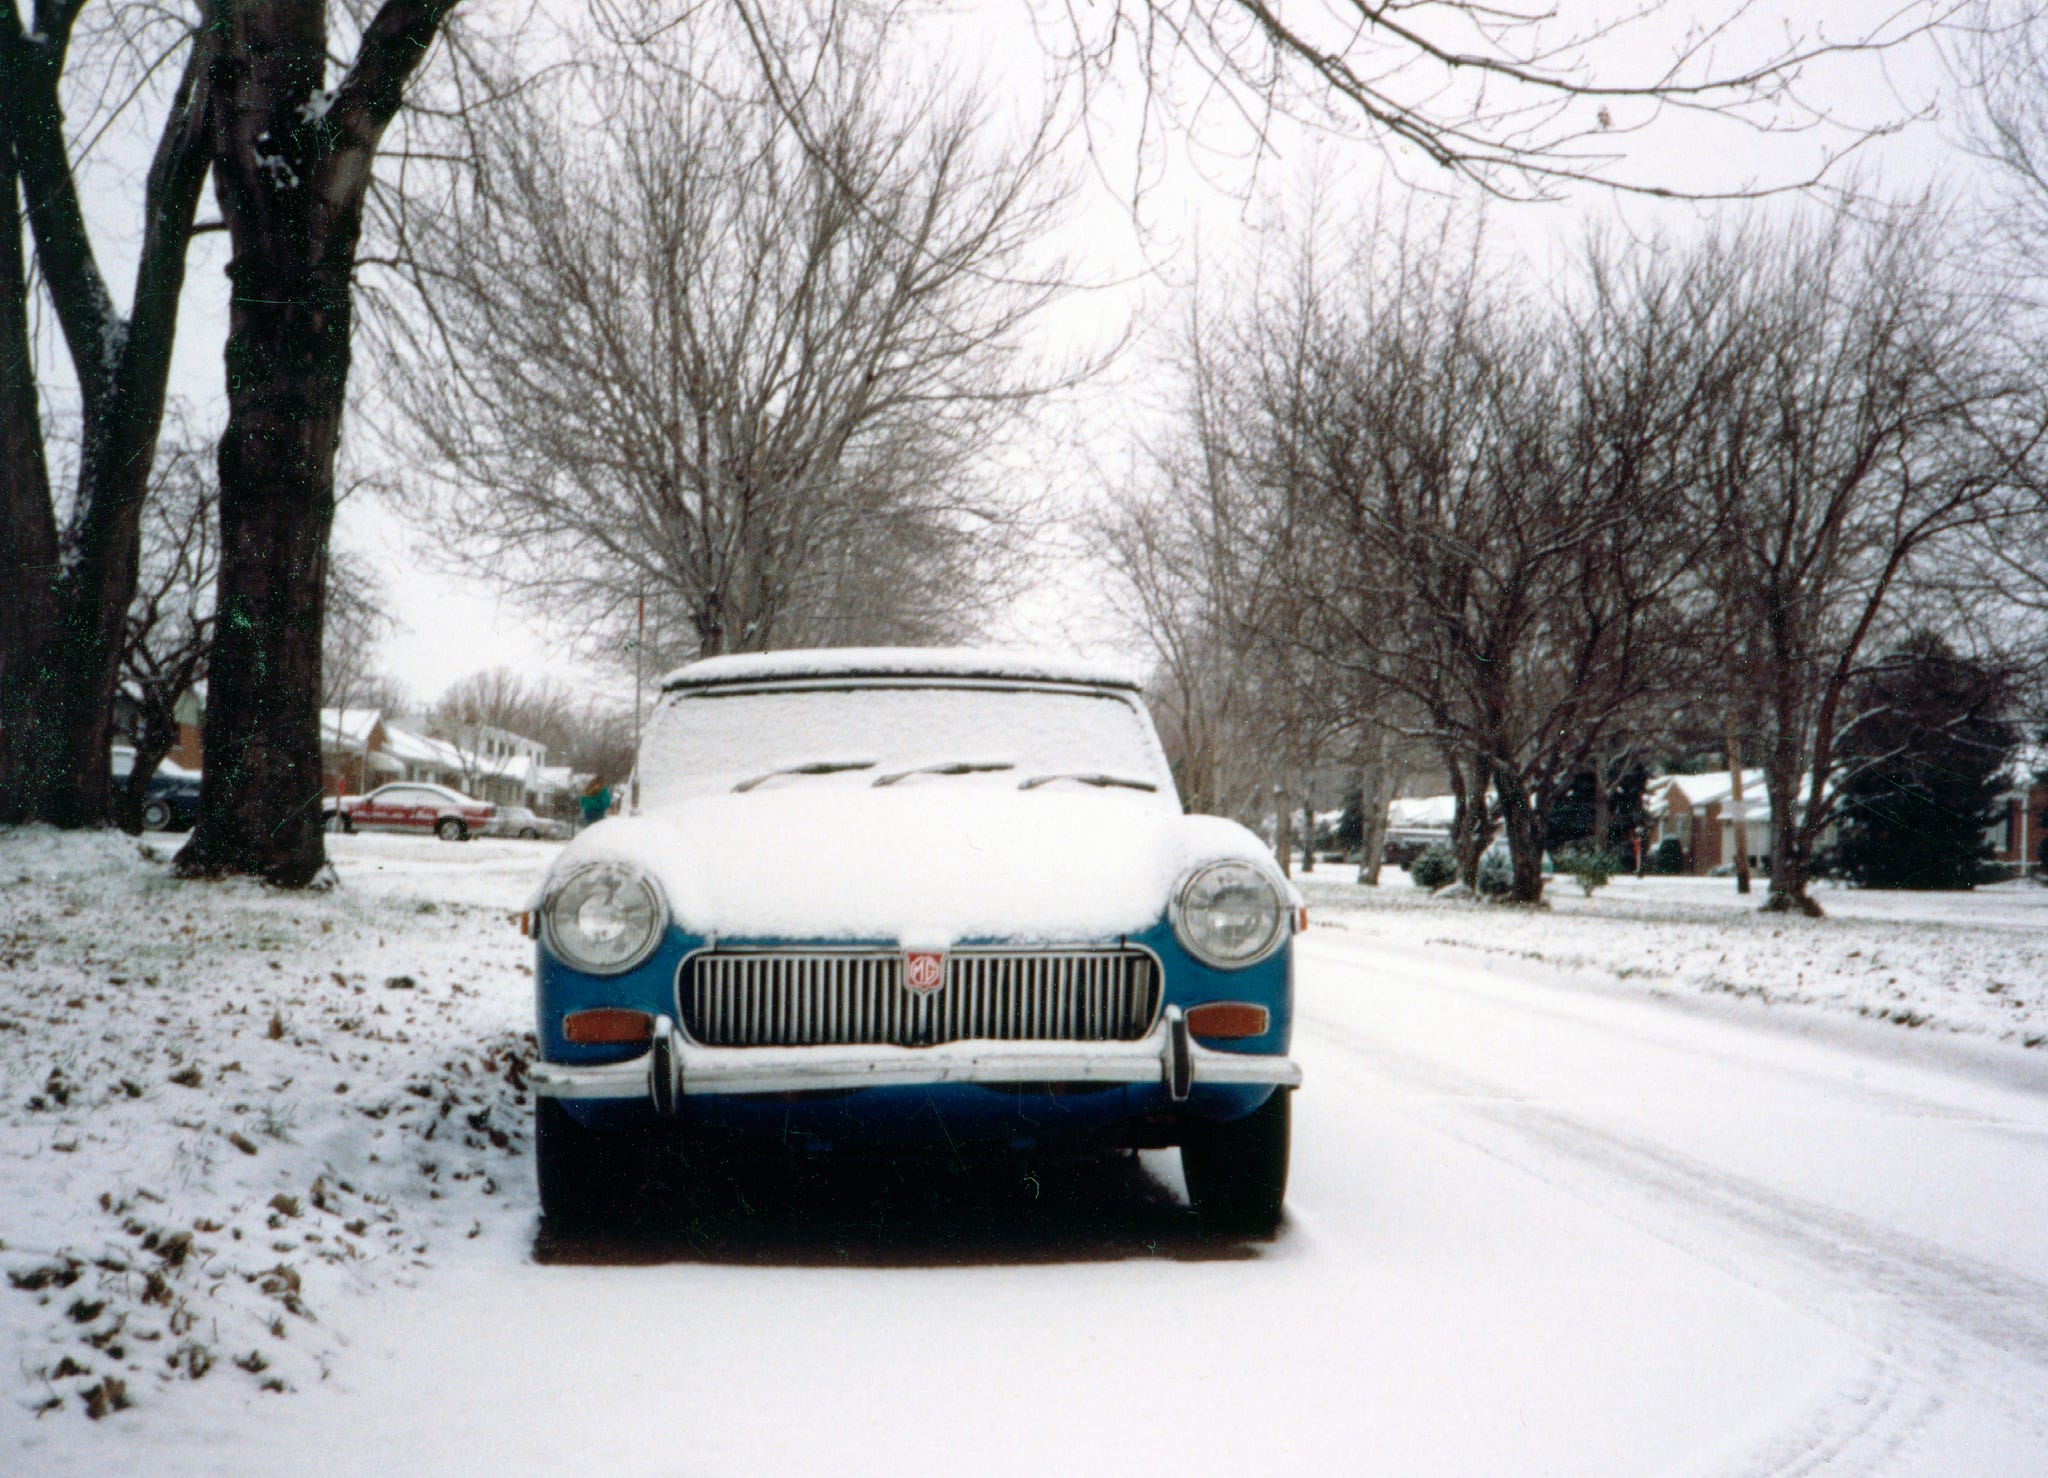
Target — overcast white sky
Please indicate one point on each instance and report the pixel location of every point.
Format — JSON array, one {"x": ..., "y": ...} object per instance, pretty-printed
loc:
[{"x": 1198, "y": 206}]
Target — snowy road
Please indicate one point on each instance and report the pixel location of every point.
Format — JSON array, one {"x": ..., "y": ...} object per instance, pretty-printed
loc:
[
  {"x": 1536, "y": 1226},
  {"x": 1534, "y": 1230}
]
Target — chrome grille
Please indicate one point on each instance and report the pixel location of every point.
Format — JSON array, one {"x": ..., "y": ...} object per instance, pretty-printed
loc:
[{"x": 798, "y": 998}]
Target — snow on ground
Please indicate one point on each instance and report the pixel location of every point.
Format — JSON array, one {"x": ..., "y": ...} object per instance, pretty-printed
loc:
[
  {"x": 1541, "y": 1221},
  {"x": 222, "y": 1107},
  {"x": 1969, "y": 965}
]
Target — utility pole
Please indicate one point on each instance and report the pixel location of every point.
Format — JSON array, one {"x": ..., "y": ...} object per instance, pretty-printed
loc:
[
  {"x": 1283, "y": 840},
  {"x": 639, "y": 648}
]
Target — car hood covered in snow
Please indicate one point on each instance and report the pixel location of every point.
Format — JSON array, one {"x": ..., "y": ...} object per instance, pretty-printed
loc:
[{"x": 925, "y": 864}]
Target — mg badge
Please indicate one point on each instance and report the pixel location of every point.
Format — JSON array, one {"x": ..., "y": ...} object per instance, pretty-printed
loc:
[{"x": 924, "y": 970}]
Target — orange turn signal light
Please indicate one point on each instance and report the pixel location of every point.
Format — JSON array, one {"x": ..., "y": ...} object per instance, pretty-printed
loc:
[
  {"x": 1228, "y": 1019},
  {"x": 607, "y": 1024}
]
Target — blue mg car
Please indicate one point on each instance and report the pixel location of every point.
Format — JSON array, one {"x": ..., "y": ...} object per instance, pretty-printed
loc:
[{"x": 888, "y": 896}]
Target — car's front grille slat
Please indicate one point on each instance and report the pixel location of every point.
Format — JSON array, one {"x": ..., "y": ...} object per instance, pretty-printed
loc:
[{"x": 753, "y": 998}]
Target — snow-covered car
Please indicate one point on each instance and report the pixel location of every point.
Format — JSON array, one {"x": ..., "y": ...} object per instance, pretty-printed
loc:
[
  {"x": 890, "y": 895},
  {"x": 521, "y": 821},
  {"x": 413, "y": 805}
]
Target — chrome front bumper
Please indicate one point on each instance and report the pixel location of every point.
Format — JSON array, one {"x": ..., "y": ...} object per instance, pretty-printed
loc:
[{"x": 674, "y": 1067}]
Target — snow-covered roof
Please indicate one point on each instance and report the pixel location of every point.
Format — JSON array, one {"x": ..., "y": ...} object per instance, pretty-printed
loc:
[
  {"x": 418, "y": 749},
  {"x": 858, "y": 662},
  {"x": 559, "y": 777},
  {"x": 2028, "y": 761},
  {"x": 1716, "y": 786},
  {"x": 1424, "y": 811},
  {"x": 348, "y": 728},
  {"x": 506, "y": 767},
  {"x": 1701, "y": 790}
]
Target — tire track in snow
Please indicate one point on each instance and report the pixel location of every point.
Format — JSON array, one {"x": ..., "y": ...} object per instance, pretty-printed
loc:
[{"x": 1930, "y": 1316}]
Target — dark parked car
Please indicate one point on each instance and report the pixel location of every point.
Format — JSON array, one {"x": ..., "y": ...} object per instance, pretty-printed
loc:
[{"x": 170, "y": 802}]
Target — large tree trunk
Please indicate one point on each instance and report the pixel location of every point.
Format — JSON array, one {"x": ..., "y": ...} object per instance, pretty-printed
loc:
[
  {"x": 1791, "y": 850},
  {"x": 1523, "y": 824},
  {"x": 28, "y": 527},
  {"x": 1603, "y": 804},
  {"x": 1471, "y": 829},
  {"x": 291, "y": 165},
  {"x": 154, "y": 738},
  {"x": 1741, "y": 821},
  {"x": 1375, "y": 793},
  {"x": 1283, "y": 830}
]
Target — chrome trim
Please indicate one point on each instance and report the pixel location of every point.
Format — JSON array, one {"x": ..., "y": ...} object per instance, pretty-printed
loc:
[
  {"x": 665, "y": 1067},
  {"x": 1064, "y": 994},
  {"x": 742, "y": 1070},
  {"x": 1180, "y": 1067}
]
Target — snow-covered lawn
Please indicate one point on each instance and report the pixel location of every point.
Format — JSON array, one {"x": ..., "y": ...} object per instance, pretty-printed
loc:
[
  {"x": 1969, "y": 965},
  {"x": 223, "y": 1108},
  {"x": 266, "y": 1205}
]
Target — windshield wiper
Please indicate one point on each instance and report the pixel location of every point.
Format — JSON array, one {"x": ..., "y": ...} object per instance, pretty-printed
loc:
[
  {"x": 949, "y": 767},
  {"x": 812, "y": 767},
  {"x": 1088, "y": 777}
]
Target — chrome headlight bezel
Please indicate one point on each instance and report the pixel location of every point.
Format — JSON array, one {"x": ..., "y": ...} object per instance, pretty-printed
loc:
[
  {"x": 1185, "y": 904},
  {"x": 560, "y": 929}
]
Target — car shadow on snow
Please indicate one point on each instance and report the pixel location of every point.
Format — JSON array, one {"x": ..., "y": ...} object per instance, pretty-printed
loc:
[{"x": 902, "y": 1210}]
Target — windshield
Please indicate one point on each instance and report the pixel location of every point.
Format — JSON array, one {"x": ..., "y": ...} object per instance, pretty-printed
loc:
[{"x": 706, "y": 742}]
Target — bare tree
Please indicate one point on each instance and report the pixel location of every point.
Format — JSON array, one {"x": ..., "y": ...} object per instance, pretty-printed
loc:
[
  {"x": 1167, "y": 590},
  {"x": 1875, "y": 417},
  {"x": 2002, "y": 63},
  {"x": 355, "y": 620},
  {"x": 1471, "y": 480},
  {"x": 1195, "y": 574},
  {"x": 1518, "y": 100},
  {"x": 68, "y": 573},
  {"x": 542, "y": 709},
  {"x": 170, "y": 620},
  {"x": 689, "y": 357}
]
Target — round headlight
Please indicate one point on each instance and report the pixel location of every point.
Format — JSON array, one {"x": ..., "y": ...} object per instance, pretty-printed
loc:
[
  {"x": 605, "y": 918},
  {"x": 1229, "y": 915}
]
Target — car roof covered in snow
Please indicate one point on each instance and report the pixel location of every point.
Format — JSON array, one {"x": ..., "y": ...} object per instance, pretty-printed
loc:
[{"x": 860, "y": 663}]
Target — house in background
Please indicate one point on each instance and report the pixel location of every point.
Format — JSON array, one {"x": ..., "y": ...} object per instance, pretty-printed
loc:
[
  {"x": 557, "y": 789},
  {"x": 2019, "y": 838},
  {"x": 189, "y": 713},
  {"x": 353, "y": 751},
  {"x": 1699, "y": 812},
  {"x": 361, "y": 749},
  {"x": 422, "y": 757}
]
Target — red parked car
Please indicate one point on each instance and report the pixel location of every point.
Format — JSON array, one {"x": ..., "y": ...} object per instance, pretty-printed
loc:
[{"x": 412, "y": 805}]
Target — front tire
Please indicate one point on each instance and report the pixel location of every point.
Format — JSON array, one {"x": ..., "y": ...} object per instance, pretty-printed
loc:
[
  {"x": 156, "y": 815},
  {"x": 1237, "y": 1171},
  {"x": 451, "y": 829},
  {"x": 585, "y": 1175}
]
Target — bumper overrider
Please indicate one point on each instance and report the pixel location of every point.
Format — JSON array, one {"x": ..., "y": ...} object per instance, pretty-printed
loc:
[{"x": 674, "y": 1067}]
